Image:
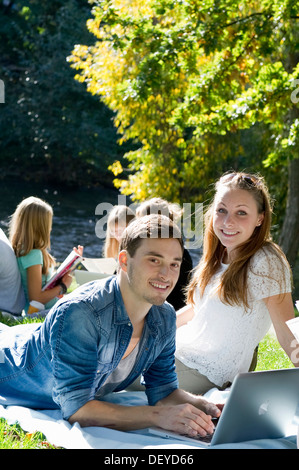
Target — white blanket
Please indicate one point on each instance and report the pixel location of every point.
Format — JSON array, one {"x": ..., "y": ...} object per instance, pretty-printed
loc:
[{"x": 61, "y": 434}]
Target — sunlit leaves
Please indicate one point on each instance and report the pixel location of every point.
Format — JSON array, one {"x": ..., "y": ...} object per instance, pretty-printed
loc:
[{"x": 178, "y": 73}]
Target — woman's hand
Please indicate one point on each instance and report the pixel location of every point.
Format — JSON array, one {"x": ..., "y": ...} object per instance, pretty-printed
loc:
[
  {"x": 67, "y": 279},
  {"x": 281, "y": 309},
  {"x": 79, "y": 250}
]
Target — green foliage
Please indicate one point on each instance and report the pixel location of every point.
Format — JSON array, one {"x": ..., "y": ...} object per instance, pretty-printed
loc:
[{"x": 186, "y": 79}]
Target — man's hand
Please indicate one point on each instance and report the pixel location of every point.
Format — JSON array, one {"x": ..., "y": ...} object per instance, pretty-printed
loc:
[
  {"x": 169, "y": 413},
  {"x": 185, "y": 413},
  {"x": 184, "y": 419},
  {"x": 209, "y": 408}
]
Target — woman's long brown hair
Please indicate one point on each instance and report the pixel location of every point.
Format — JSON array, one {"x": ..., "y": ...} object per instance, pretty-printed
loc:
[{"x": 233, "y": 285}]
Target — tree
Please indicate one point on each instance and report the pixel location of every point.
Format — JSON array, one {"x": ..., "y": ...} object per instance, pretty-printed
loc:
[
  {"x": 185, "y": 77},
  {"x": 51, "y": 128}
]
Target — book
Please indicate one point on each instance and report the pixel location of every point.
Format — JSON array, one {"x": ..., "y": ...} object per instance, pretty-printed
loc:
[
  {"x": 68, "y": 264},
  {"x": 100, "y": 265},
  {"x": 96, "y": 268}
]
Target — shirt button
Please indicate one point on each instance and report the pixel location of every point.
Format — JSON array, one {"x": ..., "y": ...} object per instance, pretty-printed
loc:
[{"x": 129, "y": 324}]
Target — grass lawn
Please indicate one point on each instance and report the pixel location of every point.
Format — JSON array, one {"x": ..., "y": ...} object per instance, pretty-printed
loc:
[
  {"x": 13, "y": 437},
  {"x": 270, "y": 356}
]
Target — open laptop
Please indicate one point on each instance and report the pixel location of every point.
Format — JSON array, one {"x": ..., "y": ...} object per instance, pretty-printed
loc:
[{"x": 261, "y": 405}]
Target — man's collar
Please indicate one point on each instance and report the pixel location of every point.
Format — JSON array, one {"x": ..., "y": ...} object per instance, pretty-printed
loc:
[{"x": 120, "y": 313}]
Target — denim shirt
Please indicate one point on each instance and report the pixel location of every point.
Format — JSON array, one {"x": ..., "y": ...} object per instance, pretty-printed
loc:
[{"x": 65, "y": 360}]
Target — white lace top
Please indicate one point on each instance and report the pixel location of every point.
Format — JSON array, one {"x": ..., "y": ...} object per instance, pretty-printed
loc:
[{"x": 220, "y": 339}]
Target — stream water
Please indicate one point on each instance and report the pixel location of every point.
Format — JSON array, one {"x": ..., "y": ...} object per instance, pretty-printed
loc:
[
  {"x": 74, "y": 218},
  {"x": 76, "y": 214}
]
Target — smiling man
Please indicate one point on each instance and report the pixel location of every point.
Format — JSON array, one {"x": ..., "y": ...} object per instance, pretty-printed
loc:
[{"x": 100, "y": 338}]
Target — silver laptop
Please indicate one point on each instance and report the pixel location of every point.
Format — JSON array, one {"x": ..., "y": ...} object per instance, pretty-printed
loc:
[{"x": 261, "y": 405}]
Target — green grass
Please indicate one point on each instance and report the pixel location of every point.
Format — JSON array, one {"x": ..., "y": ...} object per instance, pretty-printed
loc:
[
  {"x": 13, "y": 437},
  {"x": 270, "y": 356}
]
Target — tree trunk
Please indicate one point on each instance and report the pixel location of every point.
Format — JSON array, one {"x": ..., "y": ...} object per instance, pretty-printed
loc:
[{"x": 289, "y": 237}]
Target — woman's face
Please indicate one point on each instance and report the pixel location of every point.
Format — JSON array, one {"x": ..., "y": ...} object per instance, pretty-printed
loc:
[
  {"x": 117, "y": 231},
  {"x": 235, "y": 217}
]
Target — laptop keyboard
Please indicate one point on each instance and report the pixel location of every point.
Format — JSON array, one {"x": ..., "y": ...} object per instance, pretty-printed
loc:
[
  {"x": 207, "y": 439},
  {"x": 200, "y": 438}
]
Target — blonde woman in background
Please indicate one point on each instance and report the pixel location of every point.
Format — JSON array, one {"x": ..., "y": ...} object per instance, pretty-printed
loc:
[
  {"x": 118, "y": 219},
  {"x": 30, "y": 229}
]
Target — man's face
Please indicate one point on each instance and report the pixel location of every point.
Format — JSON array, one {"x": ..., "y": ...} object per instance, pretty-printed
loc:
[{"x": 154, "y": 269}]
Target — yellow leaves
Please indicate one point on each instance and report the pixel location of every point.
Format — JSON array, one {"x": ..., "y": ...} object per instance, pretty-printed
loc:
[
  {"x": 145, "y": 144},
  {"x": 93, "y": 26},
  {"x": 180, "y": 142},
  {"x": 136, "y": 186},
  {"x": 251, "y": 114},
  {"x": 202, "y": 60},
  {"x": 156, "y": 98},
  {"x": 79, "y": 78},
  {"x": 136, "y": 8},
  {"x": 116, "y": 168}
]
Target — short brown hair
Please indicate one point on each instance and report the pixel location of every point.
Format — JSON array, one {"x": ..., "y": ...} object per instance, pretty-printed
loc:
[
  {"x": 149, "y": 226},
  {"x": 157, "y": 205}
]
